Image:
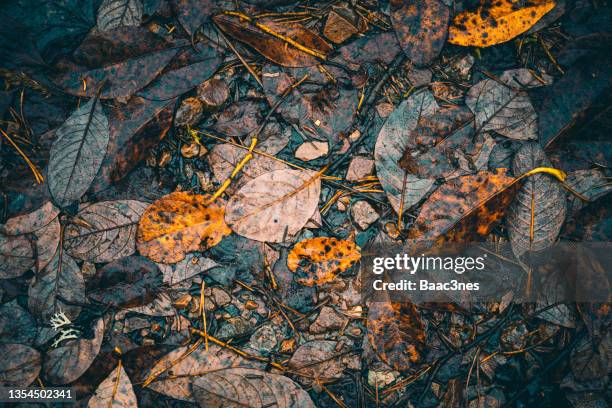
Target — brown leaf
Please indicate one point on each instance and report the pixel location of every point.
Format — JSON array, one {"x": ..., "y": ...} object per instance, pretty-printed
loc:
[
  {"x": 19, "y": 366},
  {"x": 322, "y": 259},
  {"x": 421, "y": 28},
  {"x": 177, "y": 224},
  {"x": 496, "y": 22},
  {"x": 396, "y": 333},
  {"x": 256, "y": 33},
  {"x": 16, "y": 256},
  {"x": 318, "y": 360},
  {"x": 115, "y": 391}
]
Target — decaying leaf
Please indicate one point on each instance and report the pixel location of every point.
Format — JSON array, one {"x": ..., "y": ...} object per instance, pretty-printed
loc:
[
  {"x": 249, "y": 387},
  {"x": 591, "y": 184},
  {"x": 403, "y": 190},
  {"x": 396, "y": 333},
  {"x": 16, "y": 324},
  {"x": 66, "y": 363},
  {"x": 20, "y": 365},
  {"x": 119, "y": 13},
  {"x": 16, "y": 256},
  {"x": 496, "y": 21},
  {"x": 115, "y": 391},
  {"x": 189, "y": 267},
  {"x": 537, "y": 213},
  {"x": 192, "y": 13},
  {"x": 77, "y": 153},
  {"x": 268, "y": 37},
  {"x": 179, "y": 223},
  {"x": 319, "y": 360},
  {"x": 504, "y": 106},
  {"x": 104, "y": 231},
  {"x": 321, "y": 259},
  {"x": 274, "y": 206},
  {"x": 421, "y": 28},
  {"x": 61, "y": 279}
]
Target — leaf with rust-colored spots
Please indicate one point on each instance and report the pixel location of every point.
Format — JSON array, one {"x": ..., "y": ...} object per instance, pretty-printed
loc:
[
  {"x": 403, "y": 189},
  {"x": 496, "y": 21},
  {"x": 179, "y": 223},
  {"x": 257, "y": 34},
  {"x": 537, "y": 213},
  {"x": 464, "y": 209},
  {"x": 421, "y": 27},
  {"x": 322, "y": 258},
  {"x": 274, "y": 206},
  {"x": 396, "y": 332},
  {"x": 503, "y": 105}
]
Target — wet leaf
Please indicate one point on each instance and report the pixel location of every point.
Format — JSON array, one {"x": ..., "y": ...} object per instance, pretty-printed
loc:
[
  {"x": 274, "y": 206},
  {"x": 104, "y": 231},
  {"x": 180, "y": 223},
  {"x": 192, "y": 13},
  {"x": 77, "y": 153},
  {"x": 181, "y": 369},
  {"x": 421, "y": 28},
  {"x": 505, "y": 107},
  {"x": 272, "y": 47},
  {"x": 240, "y": 118},
  {"x": 68, "y": 362},
  {"x": 495, "y": 22},
  {"x": 249, "y": 387},
  {"x": 16, "y": 256},
  {"x": 115, "y": 391},
  {"x": 119, "y": 13},
  {"x": 127, "y": 282},
  {"x": 403, "y": 190},
  {"x": 62, "y": 278},
  {"x": 592, "y": 184},
  {"x": 23, "y": 366},
  {"x": 321, "y": 259},
  {"x": 318, "y": 360},
  {"x": 537, "y": 213},
  {"x": 396, "y": 333}
]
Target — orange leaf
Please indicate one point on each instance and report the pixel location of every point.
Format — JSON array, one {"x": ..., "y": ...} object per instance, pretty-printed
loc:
[
  {"x": 179, "y": 223},
  {"x": 324, "y": 258},
  {"x": 496, "y": 21}
]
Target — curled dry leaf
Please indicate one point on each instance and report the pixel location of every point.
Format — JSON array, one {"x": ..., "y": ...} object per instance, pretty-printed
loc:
[
  {"x": 421, "y": 28},
  {"x": 241, "y": 387},
  {"x": 115, "y": 391},
  {"x": 321, "y": 259},
  {"x": 77, "y": 153},
  {"x": 537, "y": 213},
  {"x": 19, "y": 366},
  {"x": 119, "y": 13},
  {"x": 68, "y": 362},
  {"x": 258, "y": 33},
  {"x": 396, "y": 333},
  {"x": 495, "y": 22},
  {"x": 274, "y": 206},
  {"x": 104, "y": 231},
  {"x": 179, "y": 223},
  {"x": 16, "y": 256},
  {"x": 403, "y": 190},
  {"x": 504, "y": 106}
]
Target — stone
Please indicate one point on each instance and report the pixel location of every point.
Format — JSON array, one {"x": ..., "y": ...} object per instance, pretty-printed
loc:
[
  {"x": 220, "y": 297},
  {"x": 213, "y": 93},
  {"x": 363, "y": 214},
  {"x": 359, "y": 168},
  {"x": 311, "y": 150},
  {"x": 381, "y": 379}
]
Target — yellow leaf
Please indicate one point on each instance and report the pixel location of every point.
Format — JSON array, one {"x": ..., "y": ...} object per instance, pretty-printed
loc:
[
  {"x": 179, "y": 223},
  {"x": 322, "y": 258},
  {"x": 496, "y": 21}
]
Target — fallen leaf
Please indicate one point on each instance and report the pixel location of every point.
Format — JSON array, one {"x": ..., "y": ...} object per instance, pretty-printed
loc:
[
  {"x": 16, "y": 256},
  {"x": 192, "y": 13},
  {"x": 274, "y": 206},
  {"x": 403, "y": 190},
  {"x": 343, "y": 22},
  {"x": 504, "y": 106},
  {"x": 240, "y": 118},
  {"x": 77, "y": 153},
  {"x": 272, "y": 47},
  {"x": 421, "y": 28},
  {"x": 495, "y": 22},
  {"x": 68, "y": 362},
  {"x": 249, "y": 387},
  {"x": 33, "y": 221},
  {"x": 115, "y": 391},
  {"x": 590, "y": 359},
  {"x": 396, "y": 333},
  {"x": 16, "y": 324},
  {"x": 189, "y": 267},
  {"x": 20, "y": 365},
  {"x": 318, "y": 361},
  {"x": 104, "y": 231},
  {"x": 119, "y": 13},
  {"x": 592, "y": 184},
  {"x": 179, "y": 223},
  {"x": 537, "y": 213},
  {"x": 62, "y": 278},
  {"x": 321, "y": 259}
]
